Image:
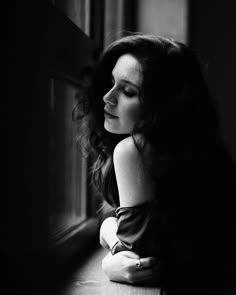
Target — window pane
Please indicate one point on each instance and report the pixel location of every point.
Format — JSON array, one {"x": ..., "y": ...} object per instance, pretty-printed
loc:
[{"x": 67, "y": 167}]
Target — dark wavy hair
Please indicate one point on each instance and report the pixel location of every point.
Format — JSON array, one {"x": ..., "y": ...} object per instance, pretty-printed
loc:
[{"x": 177, "y": 109}]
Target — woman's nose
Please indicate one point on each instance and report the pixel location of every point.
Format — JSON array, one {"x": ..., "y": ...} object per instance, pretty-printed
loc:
[{"x": 110, "y": 97}]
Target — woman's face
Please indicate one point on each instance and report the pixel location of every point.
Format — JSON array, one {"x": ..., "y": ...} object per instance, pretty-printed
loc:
[{"x": 122, "y": 106}]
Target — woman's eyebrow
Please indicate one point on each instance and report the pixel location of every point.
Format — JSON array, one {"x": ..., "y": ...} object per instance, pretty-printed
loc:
[{"x": 129, "y": 82}]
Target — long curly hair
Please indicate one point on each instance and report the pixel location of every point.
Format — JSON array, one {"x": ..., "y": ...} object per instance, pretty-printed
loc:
[{"x": 177, "y": 109}]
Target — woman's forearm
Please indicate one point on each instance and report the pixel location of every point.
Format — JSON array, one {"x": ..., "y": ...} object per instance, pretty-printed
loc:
[{"x": 108, "y": 231}]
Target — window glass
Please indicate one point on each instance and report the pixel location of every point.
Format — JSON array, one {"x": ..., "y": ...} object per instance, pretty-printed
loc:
[{"x": 68, "y": 169}]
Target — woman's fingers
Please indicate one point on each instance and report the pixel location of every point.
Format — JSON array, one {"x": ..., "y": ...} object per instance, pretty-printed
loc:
[
  {"x": 149, "y": 273},
  {"x": 143, "y": 275},
  {"x": 145, "y": 263}
]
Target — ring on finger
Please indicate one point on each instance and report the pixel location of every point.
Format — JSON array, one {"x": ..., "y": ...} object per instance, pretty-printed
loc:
[{"x": 138, "y": 265}]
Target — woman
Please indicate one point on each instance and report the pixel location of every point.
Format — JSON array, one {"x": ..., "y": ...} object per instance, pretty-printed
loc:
[{"x": 159, "y": 162}]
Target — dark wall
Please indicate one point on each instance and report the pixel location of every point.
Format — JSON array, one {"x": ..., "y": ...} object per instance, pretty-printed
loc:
[{"x": 212, "y": 33}]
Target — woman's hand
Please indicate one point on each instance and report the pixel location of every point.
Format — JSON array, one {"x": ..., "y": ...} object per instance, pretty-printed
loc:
[{"x": 121, "y": 267}]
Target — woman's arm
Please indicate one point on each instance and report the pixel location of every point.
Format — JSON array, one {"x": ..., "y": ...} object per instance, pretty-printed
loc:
[
  {"x": 121, "y": 267},
  {"x": 108, "y": 231},
  {"x": 135, "y": 184},
  {"x": 135, "y": 187}
]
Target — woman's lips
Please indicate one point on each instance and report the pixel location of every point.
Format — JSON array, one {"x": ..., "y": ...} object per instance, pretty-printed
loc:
[{"x": 109, "y": 115}]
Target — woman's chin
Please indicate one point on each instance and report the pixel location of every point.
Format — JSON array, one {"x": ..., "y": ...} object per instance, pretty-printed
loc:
[
  {"x": 112, "y": 129},
  {"x": 109, "y": 128}
]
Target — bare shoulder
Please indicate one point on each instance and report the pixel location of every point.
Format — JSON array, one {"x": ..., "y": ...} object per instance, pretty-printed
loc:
[{"x": 126, "y": 149}]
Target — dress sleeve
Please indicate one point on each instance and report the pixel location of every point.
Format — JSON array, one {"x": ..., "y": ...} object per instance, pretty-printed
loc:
[{"x": 138, "y": 229}]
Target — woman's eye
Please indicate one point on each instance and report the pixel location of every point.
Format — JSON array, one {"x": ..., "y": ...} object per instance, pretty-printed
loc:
[{"x": 128, "y": 93}]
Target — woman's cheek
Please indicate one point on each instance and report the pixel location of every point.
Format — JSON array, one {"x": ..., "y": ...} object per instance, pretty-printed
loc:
[{"x": 134, "y": 113}]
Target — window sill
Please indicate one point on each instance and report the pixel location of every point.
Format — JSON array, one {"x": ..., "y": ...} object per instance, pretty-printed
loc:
[
  {"x": 81, "y": 232},
  {"x": 75, "y": 245}
]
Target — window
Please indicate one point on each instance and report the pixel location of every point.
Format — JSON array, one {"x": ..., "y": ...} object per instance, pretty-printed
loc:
[
  {"x": 70, "y": 205},
  {"x": 68, "y": 169}
]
